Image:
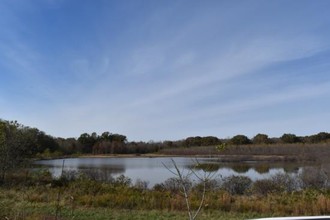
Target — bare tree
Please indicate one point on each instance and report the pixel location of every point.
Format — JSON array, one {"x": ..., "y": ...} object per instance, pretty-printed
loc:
[{"x": 184, "y": 179}]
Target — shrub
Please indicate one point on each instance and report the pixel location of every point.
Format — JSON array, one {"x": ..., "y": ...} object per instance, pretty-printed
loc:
[
  {"x": 173, "y": 185},
  {"x": 285, "y": 182},
  {"x": 41, "y": 177},
  {"x": 102, "y": 175},
  {"x": 122, "y": 181},
  {"x": 313, "y": 178},
  {"x": 237, "y": 184},
  {"x": 210, "y": 185},
  {"x": 265, "y": 186},
  {"x": 141, "y": 185}
]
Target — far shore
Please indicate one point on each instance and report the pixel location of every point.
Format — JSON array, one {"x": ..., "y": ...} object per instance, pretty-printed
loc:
[{"x": 222, "y": 158}]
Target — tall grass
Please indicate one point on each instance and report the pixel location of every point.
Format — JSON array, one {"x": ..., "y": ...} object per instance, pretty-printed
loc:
[
  {"x": 270, "y": 152},
  {"x": 84, "y": 198}
]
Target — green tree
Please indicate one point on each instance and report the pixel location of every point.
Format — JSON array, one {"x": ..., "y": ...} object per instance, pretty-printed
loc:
[
  {"x": 68, "y": 145},
  {"x": 210, "y": 141},
  {"x": 13, "y": 148},
  {"x": 87, "y": 142},
  {"x": 320, "y": 137},
  {"x": 193, "y": 141},
  {"x": 290, "y": 138},
  {"x": 118, "y": 138},
  {"x": 261, "y": 139},
  {"x": 240, "y": 140}
]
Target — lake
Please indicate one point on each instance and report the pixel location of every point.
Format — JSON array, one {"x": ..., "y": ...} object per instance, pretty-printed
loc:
[{"x": 153, "y": 170}]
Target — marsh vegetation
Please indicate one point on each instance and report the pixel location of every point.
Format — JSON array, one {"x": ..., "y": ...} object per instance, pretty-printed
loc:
[
  {"x": 34, "y": 195},
  {"x": 29, "y": 193}
]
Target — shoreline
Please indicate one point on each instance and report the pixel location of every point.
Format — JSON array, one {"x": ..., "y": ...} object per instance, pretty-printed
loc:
[{"x": 221, "y": 158}]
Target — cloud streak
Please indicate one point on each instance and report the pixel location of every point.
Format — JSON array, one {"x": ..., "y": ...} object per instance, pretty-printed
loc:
[{"x": 167, "y": 71}]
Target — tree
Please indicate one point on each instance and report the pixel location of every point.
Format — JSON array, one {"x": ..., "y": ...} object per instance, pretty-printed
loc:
[
  {"x": 45, "y": 142},
  {"x": 320, "y": 137},
  {"x": 210, "y": 141},
  {"x": 102, "y": 147},
  {"x": 290, "y": 138},
  {"x": 87, "y": 142},
  {"x": 118, "y": 138},
  {"x": 240, "y": 140},
  {"x": 182, "y": 182},
  {"x": 261, "y": 139},
  {"x": 68, "y": 145},
  {"x": 13, "y": 148},
  {"x": 201, "y": 141},
  {"x": 193, "y": 141},
  {"x": 105, "y": 136}
]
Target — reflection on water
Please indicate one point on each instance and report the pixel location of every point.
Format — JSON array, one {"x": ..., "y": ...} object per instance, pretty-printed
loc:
[
  {"x": 153, "y": 170},
  {"x": 241, "y": 167}
]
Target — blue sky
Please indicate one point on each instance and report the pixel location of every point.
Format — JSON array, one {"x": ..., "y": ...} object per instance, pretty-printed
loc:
[{"x": 166, "y": 69}]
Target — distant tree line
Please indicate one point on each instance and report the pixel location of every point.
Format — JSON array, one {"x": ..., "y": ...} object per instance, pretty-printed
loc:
[
  {"x": 19, "y": 142},
  {"x": 108, "y": 143}
]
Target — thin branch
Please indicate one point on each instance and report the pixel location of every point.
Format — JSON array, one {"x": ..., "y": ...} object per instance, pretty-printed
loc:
[
  {"x": 59, "y": 195},
  {"x": 184, "y": 188},
  {"x": 202, "y": 201},
  {"x": 182, "y": 177},
  {"x": 170, "y": 169}
]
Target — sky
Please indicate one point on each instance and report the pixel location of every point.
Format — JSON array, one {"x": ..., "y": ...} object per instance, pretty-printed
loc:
[{"x": 166, "y": 69}]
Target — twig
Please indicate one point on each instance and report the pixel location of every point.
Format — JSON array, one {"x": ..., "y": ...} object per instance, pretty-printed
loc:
[{"x": 59, "y": 195}]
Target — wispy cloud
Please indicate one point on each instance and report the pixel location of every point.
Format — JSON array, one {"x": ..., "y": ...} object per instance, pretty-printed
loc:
[{"x": 166, "y": 70}]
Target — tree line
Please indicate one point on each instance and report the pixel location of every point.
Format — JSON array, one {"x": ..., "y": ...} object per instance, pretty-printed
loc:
[
  {"x": 31, "y": 141},
  {"x": 19, "y": 143}
]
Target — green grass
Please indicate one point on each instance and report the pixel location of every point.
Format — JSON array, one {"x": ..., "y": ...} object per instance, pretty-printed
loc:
[
  {"x": 28, "y": 210},
  {"x": 36, "y": 198},
  {"x": 14, "y": 204}
]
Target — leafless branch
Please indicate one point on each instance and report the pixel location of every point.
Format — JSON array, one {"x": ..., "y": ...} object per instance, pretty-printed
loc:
[{"x": 182, "y": 177}]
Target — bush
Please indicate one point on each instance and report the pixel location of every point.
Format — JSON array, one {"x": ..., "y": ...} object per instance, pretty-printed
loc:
[
  {"x": 141, "y": 185},
  {"x": 41, "y": 177},
  {"x": 313, "y": 178},
  {"x": 285, "y": 182},
  {"x": 102, "y": 175},
  {"x": 237, "y": 184},
  {"x": 210, "y": 185},
  {"x": 173, "y": 185},
  {"x": 265, "y": 186},
  {"x": 122, "y": 181}
]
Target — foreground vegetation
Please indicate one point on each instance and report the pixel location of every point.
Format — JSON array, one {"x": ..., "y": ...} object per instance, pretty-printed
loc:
[
  {"x": 36, "y": 195},
  {"x": 36, "y": 211}
]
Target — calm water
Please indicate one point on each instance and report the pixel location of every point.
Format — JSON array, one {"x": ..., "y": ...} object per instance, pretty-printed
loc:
[{"x": 153, "y": 169}]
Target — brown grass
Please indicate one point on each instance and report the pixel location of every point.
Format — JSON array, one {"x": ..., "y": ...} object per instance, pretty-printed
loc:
[{"x": 271, "y": 152}]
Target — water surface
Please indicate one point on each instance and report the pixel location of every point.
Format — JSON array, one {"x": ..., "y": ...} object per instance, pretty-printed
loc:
[{"x": 154, "y": 170}]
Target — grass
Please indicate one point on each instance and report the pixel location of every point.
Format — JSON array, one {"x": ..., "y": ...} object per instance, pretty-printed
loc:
[
  {"x": 271, "y": 152},
  {"x": 34, "y": 196},
  {"x": 39, "y": 202},
  {"x": 42, "y": 211}
]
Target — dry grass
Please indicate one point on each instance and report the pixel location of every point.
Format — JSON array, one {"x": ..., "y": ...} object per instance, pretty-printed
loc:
[{"x": 271, "y": 152}]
